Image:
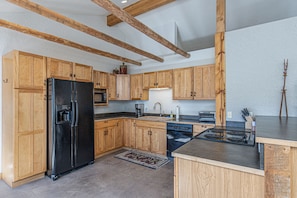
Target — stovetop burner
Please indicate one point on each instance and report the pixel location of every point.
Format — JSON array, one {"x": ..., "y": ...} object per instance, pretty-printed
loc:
[{"x": 229, "y": 135}]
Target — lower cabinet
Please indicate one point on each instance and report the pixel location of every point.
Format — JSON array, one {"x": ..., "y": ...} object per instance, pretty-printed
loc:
[
  {"x": 129, "y": 133},
  {"x": 108, "y": 136},
  {"x": 150, "y": 136}
]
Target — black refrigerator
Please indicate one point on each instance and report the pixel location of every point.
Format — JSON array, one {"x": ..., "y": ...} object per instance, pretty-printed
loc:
[{"x": 70, "y": 123}]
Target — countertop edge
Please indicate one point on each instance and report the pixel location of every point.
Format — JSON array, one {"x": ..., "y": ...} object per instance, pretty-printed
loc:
[
  {"x": 279, "y": 142},
  {"x": 221, "y": 164}
]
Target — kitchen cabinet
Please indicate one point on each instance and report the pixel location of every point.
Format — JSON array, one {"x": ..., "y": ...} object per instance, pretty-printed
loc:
[
  {"x": 194, "y": 83},
  {"x": 159, "y": 79},
  {"x": 136, "y": 88},
  {"x": 151, "y": 136},
  {"x": 123, "y": 87},
  {"x": 66, "y": 70},
  {"x": 82, "y": 73},
  {"x": 119, "y": 87},
  {"x": 204, "y": 82},
  {"x": 100, "y": 79},
  {"x": 23, "y": 118},
  {"x": 199, "y": 128},
  {"x": 119, "y": 134},
  {"x": 129, "y": 133},
  {"x": 112, "y": 89},
  {"x": 107, "y": 132}
]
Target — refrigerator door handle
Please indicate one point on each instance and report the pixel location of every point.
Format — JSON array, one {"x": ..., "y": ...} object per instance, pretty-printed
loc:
[
  {"x": 72, "y": 113},
  {"x": 76, "y": 113},
  {"x": 72, "y": 147}
]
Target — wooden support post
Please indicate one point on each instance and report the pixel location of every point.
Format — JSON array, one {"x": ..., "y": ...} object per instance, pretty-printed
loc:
[{"x": 220, "y": 64}]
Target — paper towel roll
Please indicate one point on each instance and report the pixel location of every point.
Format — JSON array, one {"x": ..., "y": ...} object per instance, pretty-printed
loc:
[{"x": 177, "y": 113}]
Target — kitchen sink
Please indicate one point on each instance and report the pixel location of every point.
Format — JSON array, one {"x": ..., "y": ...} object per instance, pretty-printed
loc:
[{"x": 155, "y": 118}]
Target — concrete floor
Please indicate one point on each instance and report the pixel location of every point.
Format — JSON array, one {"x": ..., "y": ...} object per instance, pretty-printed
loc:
[{"x": 108, "y": 177}]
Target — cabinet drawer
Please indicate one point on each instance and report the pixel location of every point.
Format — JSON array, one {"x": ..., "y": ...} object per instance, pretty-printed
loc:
[
  {"x": 198, "y": 128},
  {"x": 105, "y": 123},
  {"x": 150, "y": 124}
]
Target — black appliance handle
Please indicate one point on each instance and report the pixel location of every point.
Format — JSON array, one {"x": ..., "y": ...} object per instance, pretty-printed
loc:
[
  {"x": 76, "y": 113},
  {"x": 72, "y": 146},
  {"x": 72, "y": 113}
]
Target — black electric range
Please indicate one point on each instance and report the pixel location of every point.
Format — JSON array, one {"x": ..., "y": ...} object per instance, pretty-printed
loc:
[{"x": 228, "y": 135}]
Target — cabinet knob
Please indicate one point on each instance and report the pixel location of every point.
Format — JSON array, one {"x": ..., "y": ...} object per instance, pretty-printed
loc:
[
  {"x": 5, "y": 81},
  {"x": 74, "y": 75},
  {"x": 70, "y": 75}
]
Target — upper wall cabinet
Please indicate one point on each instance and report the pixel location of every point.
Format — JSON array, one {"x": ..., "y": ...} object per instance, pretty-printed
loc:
[
  {"x": 194, "y": 83},
  {"x": 123, "y": 87},
  {"x": 160, "y": 79},
  {"x": 82, "y": 73},
  {"x": 204, "y": 82},
  {"x": 100, "y": 79},
  {"x": 136, "y": 88},
  {"x": 112, "y": 87},
  {"x": 66, "y": 70},
  {"x": 29, "y": 70}
]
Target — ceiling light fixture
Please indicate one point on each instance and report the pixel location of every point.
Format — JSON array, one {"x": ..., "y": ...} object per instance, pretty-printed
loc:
[{"x": 124, "y": 1}]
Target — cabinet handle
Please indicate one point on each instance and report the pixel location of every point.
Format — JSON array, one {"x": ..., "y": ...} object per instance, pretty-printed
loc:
[
  {"x": 105, "y": 132},
  {"x": 194, "y": 93},
  {"x": 141, "y": 95},
  {"x": 74, "y": 75},
  {"x": 70, "y": 75},
  {"x": 5, "y": 81},
  {"x": 191, "y": 93}
]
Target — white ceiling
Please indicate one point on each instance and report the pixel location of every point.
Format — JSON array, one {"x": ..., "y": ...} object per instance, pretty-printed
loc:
[{"x": 195, "y": 19}]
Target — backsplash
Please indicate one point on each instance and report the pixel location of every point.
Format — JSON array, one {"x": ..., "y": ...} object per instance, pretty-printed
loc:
[{"x": 187, "y": 107}]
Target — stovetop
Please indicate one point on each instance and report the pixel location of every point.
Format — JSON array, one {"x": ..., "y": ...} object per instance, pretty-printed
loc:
[{"x": 229, "y": 135}]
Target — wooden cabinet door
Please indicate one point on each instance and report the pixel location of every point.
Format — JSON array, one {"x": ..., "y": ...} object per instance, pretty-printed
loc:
[
  {"x": 109, "y": 138},
  {"x": 204, "y": 82},
  {"x": 129, "y": 133},
  {"x": 30, "y": 122},
  {"x": 137, "y": 92},
  {"x": 149, "y": 80},
  {"x": 209, "y": 82},
  {"x": 31, "y": 71},
  {"x": 183, "y": 84},
  {"x": 59, "y": 69},
  {"x": 142, "y": 135},
  {"x": 123, "y": 87},
  {"x": 82, "y": 73},
  {"x": 112, "y": 89},
  {"x": 158, "y": 141},
  {"x": 100, "y": 79},
  {"x": 164, "y": 79},
  {"x": 119, "y": 135},
  {"x": 99, "y": 141}
]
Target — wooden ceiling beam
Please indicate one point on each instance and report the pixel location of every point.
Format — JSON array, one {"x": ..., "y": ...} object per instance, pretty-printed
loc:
[
  {"x": 126, "y": 17},
  {"x": 138, "y": 8},
  {"x": 62, "y": 41},
  {"x": 80, "y": 27}
]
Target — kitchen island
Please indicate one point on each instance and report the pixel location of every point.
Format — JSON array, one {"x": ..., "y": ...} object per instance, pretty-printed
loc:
[{"x": 213, "y": 169}]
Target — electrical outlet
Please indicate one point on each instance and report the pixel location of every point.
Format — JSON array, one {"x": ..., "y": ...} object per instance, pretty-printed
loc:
[{"x": 229, "y": 114}]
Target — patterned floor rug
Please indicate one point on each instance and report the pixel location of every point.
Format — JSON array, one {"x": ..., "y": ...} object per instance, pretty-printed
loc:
[{"x": 147, "y": 159}]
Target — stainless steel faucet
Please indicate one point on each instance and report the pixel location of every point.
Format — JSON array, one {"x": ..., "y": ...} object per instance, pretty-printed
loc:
[{"x": 160, "y": 107}]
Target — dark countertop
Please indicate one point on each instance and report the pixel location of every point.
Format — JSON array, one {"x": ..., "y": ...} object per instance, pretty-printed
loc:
[
  {"x": 183, "y": 118},
  {"x": 281, "y": 129},
  {"x": 242, "y": 158}
]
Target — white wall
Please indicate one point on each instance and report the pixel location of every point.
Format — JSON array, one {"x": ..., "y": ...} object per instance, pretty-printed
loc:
[{"x": 254, "y": 68}]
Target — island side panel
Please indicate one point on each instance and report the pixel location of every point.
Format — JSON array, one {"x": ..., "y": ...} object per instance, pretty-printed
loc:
[
  {"x": 196, "y": 179},
  {"x": 277, "y": 167}
]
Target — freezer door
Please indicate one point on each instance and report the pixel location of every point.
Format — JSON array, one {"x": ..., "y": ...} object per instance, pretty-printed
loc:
[
  {"x": 60, "y": 118},
  {"x": 84, "y": 124}
]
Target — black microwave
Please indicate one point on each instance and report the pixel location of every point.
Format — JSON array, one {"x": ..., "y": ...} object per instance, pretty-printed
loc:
[{"x": 100, "y": 96}]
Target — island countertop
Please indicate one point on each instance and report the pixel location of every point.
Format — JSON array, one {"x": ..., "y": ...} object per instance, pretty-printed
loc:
[
  {"x": 236, "y": 157},
  {"x": 276, "y": 130}
]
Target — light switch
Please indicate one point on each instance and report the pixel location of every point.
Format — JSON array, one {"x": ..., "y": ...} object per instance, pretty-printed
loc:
[{"x": 229, "y": 114}]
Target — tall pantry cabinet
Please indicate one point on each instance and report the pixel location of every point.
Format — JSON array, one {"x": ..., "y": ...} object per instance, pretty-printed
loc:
[{"x": 23, "y": 117}]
